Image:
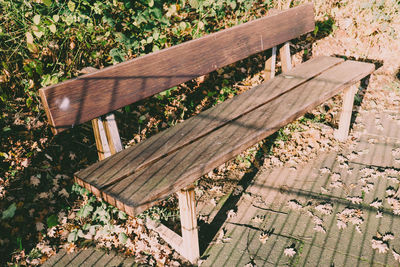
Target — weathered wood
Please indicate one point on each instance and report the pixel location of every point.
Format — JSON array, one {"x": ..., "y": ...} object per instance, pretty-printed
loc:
[
  {"x": 270, "y": 65},
  {"x": 166, "y": 142},
  {"x": 103, "y": 149},
  {"x": 112, "y": 134},
  {"x": 187, "y": 209},
  {"x": 108, "y": 140},
  {"x": 106, "y": 136},
  {"x": 286, "y": 60},
  {"x": 342, "y": 133},
  {"x": 105, "y": 132},
  {"x": 92, "y": 95},
  {"x": 142, "y": 189}
]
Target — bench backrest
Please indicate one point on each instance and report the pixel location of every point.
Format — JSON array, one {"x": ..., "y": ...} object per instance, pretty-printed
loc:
[{"x": 92, "y": 95}]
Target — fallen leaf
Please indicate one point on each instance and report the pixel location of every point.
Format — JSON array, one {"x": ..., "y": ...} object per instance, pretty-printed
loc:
[
  {"x": 258, "y": 218},
  {"x": 35, "y": 181},
  {"x": 290, "y": 252},
  {"x": 324, "y": 170},
  {"x": 294, "y": 205},
  {"x": 231, "y": 214},
  {"x": 355, "y": 200},
  {"x": 376, "y": 204},
  {"x": 388, "y": 236},
  {"x": 396, "y": 255},
  {"x": 340, "y": 224},
  {"x": 263, "y": 237},
  {"x": 319, "y": 228},
  {"x": 379, "y": 245},
  {"x": 325, "y": 208}
]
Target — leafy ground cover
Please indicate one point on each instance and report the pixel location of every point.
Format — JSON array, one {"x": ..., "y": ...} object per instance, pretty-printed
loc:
[{"x": 44, "y": 42}]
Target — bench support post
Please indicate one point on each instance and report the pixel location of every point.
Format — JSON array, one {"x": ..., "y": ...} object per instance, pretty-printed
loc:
[
  {"x": 286, "y": 60},
  {"x": 187, "y": 208},
  {"x": 108, "y": 142},
  {"x": 342, "y": 132},
  {"x": 270, "y": 65},
  {"x": 100, "y": 135}
]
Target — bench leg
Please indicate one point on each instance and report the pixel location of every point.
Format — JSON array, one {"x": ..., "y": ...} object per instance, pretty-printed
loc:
[
  {"x": 345, "y": 117},
  {"x": 187, "y": 207},
  {"x": 100, "y": 135},
  {"x": 270, "y": 65},
  {"x": 286, "y": 59}
]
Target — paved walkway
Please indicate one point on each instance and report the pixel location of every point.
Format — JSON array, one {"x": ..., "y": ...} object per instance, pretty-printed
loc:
[{"x": 329, "y": 212}]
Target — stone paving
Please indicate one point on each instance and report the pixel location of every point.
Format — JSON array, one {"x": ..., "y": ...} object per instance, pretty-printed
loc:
[{"x": 331, "y": 211}]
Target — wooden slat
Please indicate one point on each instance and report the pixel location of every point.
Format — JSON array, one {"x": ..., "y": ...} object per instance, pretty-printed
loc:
[
  {"x": 144, "y": 188},
  {"x": 168, "y": 141},
  {"x": 94, "y": 94}
]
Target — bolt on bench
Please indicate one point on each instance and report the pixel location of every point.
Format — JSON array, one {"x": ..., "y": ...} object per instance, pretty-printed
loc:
[{"x": 138, "y": 177}]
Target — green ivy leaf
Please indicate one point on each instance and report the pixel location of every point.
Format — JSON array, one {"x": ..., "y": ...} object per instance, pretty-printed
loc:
[
  {"x": 102, "y": 215},
  {"x": 47, "y": 2},
  {"x": 36, "y": 19},
  {"x": 80, "y": 233},
  {"x": 69, "y": 20},
  {"x": 118, "y": 55},
  {"x": 194, "y": 3},
  {"x": 53, "y": 28},
  {"x": 52, "y": 221},
  {"x": 84, "y": 211},
  {"x": 122, "y": 215},
  {"x": 73, "y": 236},
  {"x": 38, "y": 34},
  {"x": 71, "y": 6},
  {"x": 157, "y": 13},
  {"x": 9, "y": 212},
  {"x": 29, "y": 102},
  {"x": 182, "y": 25},
  {"x": 122, "y": 237},
  {"x": 56, "y": 18}
]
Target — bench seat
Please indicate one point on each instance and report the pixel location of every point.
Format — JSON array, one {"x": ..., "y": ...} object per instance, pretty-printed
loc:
[{"x": 138, "y": 177}]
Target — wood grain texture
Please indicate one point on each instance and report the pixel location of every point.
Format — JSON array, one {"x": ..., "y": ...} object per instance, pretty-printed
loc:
[
  {"x": 112, "y": 134},
  {"x": 142, "y": 189},
  {"x": 168, "y": 141},
  {"x": 286, "y": 58},
  {"x": 342, "y": 133},
  {"x": 190, "y": 237},
  {"x": 103, "y": 149},
  {"x": 270, "y": 65},
  {"x": 182, "y": 134},
  {"x": 94, "y": 94}
]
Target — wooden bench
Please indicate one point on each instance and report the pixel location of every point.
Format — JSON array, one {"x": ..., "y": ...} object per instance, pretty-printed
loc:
[{"x": 136, "y": 178}]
